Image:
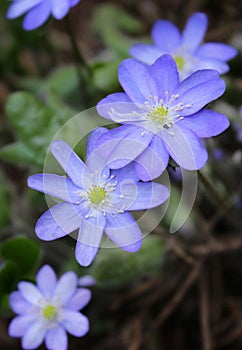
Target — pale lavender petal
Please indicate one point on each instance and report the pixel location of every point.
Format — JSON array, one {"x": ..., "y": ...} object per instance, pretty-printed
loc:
[
  {"x": 56, "y": 339},
  {"x": 30, "y": 292},
  {"x": 20, "y": 324},
  {"x": 87, "y": 281},
  {"x": 65, "y": 287},
  {"x": 75, "y": 323},
  {"x": 80, "y": 298},
  {"x": 185, "y": 147},
  {"x": 211, "y": 63},
  {"x": 122, "y": 145},
  {"x": 153, "y": 161},
  {"x": 58, "y": 221},
  {"x": 127, "y": 172},
  {"x": 68, "y": 160},
  {"x": 56, "y": 186},
  {"x": 218, "y": 51},
  {"x": 60, "y": 8},
  {"x": 73, "y": 2},
  {"x": 19, "y": 7},
  {"x": 194, "y": 31},
  {"x": 164, "y": 72},
  {"x": 149, "y": 195},
  {"x": 145, "y": 53},
  {"x": 166, "y": 36},
  {"x": 89, "y": 239},
  {"x": 205, "y": 123},
  {"x": 92, "y": 140},
  {"x": 18, "y": 303},
  {"x": 37, "y": 16},
  {"x": 34, "y": 336},
  {"x": 198, "y": 96},
  {"x": 46, "y": 280},
  {"x": 123, "y": 230}
]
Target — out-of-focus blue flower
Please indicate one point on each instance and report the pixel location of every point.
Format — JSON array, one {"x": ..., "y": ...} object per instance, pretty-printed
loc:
[
  {"x": 161, "y": 117},
  {"x": 38, "y": 11},
  {"x": 49, "y": 310},
  {"x": 95, "y": 200},
  {"x": 186, "y": 47}
]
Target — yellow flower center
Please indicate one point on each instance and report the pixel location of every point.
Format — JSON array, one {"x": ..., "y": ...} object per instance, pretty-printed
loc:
[
  {"x": 159, "y": 114},
  {"x": 180, "y": 62},
  {"x": 97, "y": 194},
  {"x": 49, "y": 312}
]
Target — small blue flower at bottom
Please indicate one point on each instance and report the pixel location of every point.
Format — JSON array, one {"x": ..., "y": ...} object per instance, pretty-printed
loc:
[
  {"x": 39, "y": 11},
  {"x": 49, "y": 310},
  {"x": 96, "y": 199}
]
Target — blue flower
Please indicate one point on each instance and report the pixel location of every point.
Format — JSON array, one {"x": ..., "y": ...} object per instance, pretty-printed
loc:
[
  {"x": 39, "y": 11},
  {"x": 186, "y": 48},
  {"x": 49, "y": 310},
  {"x": 161, "y": 117},
  {"x": 95, "y": 200}
]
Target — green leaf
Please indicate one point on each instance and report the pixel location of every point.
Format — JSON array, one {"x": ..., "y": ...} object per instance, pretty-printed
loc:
[
  {"x": 5, "y": 201},
  {"x": 8, "y": 277},
  {"x": 105, "y": 76},
  {"x": 23, "y": 252}
]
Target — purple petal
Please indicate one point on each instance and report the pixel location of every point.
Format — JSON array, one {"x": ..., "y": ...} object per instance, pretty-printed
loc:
[
  {"x": 87, "y": 281},
  {"x": 60, "y": 8},
  {"x": 199, "y": 95},
  {"x": 18, "y": 303},
  {"x": 19, "y": 7},
  {"x": 185, "y": 147},
  {"x": 205, "y": 123},
  {"x": 46, "y": 280},
  {"x": 212, "y": 63},
  {"x": 37, "y": 16},
  {"x": 92, "y": 139},
  {"x": 194, "y": 31},
  {"x": 149, "y": 195},
  {"x": 89, "y": 239},
  {"x": 127, "y": 172},
  {"x": 58, "y": 221},
  {"x": 124, "y": 231},
  {"x": 164, "y": 72},
  {"x": 145, "y": 53},
  {"x": 122, "y": 145},
  {"x": 56, "y": 186},
  {"x": 56, "y": 339},
  {"x": 20, "y": 324},
  {"x": 218, "y": 51},
  {"x": 135, "y": 80},
  {"x": 80, "y": 298},
  {"x": 65, "y": 287},
  {"x": 153, "y": 161},
  {"x": 68, "y": 160},
  {"x": 73, "y": 2},
  {"x": 34, "y": 336},
  {"x": 30, "y": 292},
  {"x": 166, "y": 36},
  {"x": 75, "y": 323}
]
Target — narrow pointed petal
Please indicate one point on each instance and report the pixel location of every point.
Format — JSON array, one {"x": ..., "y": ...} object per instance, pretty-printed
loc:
[
  {"x": 30, "y": 292},
  {"x": 123, "y": 230},
  {"x": 145, "y": 53},
  {"x": 74, "y": 322},
  {"x": 20, "y": 324},
  {"x": 68, "y": 160},
  {"x": 218, "y": 51},
  {"x": 89, "y": 239},
  {"x": 34, "y": 336},
  {"x": 56, "y": 339},
  {"x": 79, "y": 300},
  {"x": 60, "y": 8},
  {"x": 166, "y": 36},
  {"x": 65, "y": 287},
  {"x": 58, "y": 221},
  {"x": 185, "y": 148},
  {"x": 205, "y": 123},
  {"x": 194, "y": 31},
  {"x": 19, "y": 7},
  {"x": 153, "y": 161},
  {"x": 93, "y": 138},
  {"x": 56, "y": 186},
  {"x": 18, "y": 303},
  {"x": 46, "y": 280},
  {"x": 37, "y": 16}
]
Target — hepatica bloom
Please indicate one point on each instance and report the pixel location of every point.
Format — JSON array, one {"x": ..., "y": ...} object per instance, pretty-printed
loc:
[
  {"x": 96, "y": 199},
  {"x": 49, "y": 310},
  {"x": 161, "y": 117},
  {"x": 38, "y": 11},
  {"x": 186, "y": 47}
]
